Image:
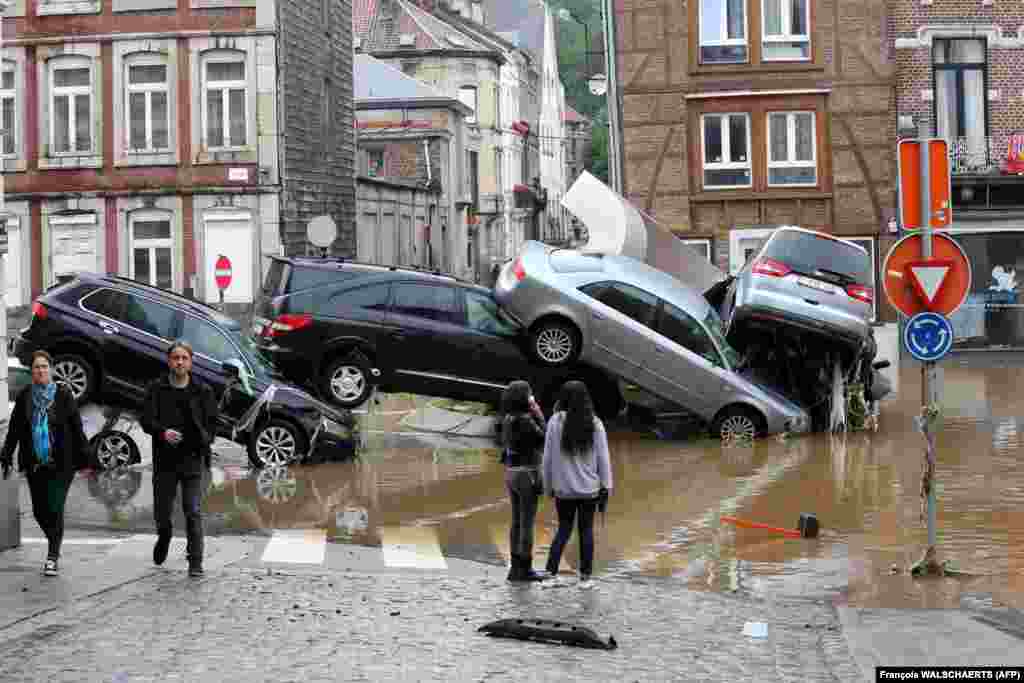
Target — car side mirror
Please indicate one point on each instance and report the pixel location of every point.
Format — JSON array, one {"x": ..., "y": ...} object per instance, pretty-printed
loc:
[{"x": 229, "y": 370}]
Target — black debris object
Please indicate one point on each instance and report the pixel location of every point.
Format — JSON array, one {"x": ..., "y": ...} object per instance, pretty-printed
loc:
[
  {"x": 546, "y": 631},
  {"x": 808, "y": 525}
]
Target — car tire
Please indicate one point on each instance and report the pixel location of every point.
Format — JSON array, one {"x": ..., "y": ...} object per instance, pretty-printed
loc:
[
  {"x": 76, "y": 373},
  {"x": 347, "y": 381},
  {"x": 554, "y": 343},
  {"x": 276, "y": 443},
  {"x": 737, "y": 423},
  {"x": 113, "y": 449}
]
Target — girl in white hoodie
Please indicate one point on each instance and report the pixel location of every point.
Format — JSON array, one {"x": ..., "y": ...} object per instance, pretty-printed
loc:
[{"x": 577, "y": 472}]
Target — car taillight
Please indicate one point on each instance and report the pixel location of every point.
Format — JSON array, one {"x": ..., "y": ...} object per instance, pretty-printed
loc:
[
  {"x": 861, "y": 293},
  {"x": 39, "y": 310},
  {"x": 287, "y": 322},
  {"x": 518, "y": 270},
  {"x": 767, "y": 266}
]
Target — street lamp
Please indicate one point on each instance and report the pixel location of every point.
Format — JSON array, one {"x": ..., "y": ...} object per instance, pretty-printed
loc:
[{"x": 598, "y": 83}]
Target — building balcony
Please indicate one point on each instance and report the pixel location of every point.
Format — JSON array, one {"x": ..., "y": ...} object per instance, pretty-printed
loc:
[{"x": 987, "y": 172}]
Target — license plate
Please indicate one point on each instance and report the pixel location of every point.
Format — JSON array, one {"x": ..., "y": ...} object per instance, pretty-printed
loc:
[{"x": 815, "y": 284}]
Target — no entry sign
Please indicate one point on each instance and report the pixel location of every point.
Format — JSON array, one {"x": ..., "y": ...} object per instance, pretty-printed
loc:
[{"x": 222, "y": 272}]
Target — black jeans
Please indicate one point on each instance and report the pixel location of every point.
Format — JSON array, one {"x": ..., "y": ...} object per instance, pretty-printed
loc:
[
  {"x": 165, "y": 488},
  {"x": 569, "y": 510},
  {"x": 49, "y": 490},
  {"x": 522, "y": 488}
]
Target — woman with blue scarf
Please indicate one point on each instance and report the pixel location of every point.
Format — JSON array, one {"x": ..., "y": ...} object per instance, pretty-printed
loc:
[{"x": 46, "y": 428}]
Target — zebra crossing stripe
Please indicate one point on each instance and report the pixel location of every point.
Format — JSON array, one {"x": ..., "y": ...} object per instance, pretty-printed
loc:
[
  {"x": 410, "y": 546},
  {"x": 296, "y": 546}
]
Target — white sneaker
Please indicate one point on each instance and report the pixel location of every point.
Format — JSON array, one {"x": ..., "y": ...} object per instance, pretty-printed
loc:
[
  {"x": 555, "y": 582},
  {"x": 586, "y": 583}
]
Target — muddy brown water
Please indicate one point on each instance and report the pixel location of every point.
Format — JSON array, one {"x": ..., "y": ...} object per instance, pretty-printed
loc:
[{"x": 664, "y": 515}]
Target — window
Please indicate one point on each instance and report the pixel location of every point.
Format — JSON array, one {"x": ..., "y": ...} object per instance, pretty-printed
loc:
[
  {"x": 683, "y": 329},
  {"x": 485, "y": 316},
  {"x": 432, "y": 302},
  {"x": 151, "y": 250},
  {"x": 375, "y": 162},
  {"x": 626, "y": 299},
  {"x": 467, "y": 95},
  {"x": 702, "y": 247},
  {"x": 723, "y": 32},
  {"x": 472, "y": 178},
  {"x": 71, "y": 116},
  {"x": 791, "y": 145},
  {"x": 726, "y": 150},
  {"x": 960, "y": 101},
  {"x": 208, "y": 340},
  {"x": 149, "y": 316},
  {"x": 106, "y": 302},
  {"x": 372, "y": 298},
  {"x": 8, "y": 109},
  {"x": 146, "y": 107},
  {"x": 225, "y": 108},
  {"x": 786, "y": 26}
]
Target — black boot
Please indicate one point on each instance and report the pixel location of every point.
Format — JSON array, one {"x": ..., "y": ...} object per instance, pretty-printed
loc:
[
  {"x": 528, "y": 573},
  {"x": 515, "y": 572}
]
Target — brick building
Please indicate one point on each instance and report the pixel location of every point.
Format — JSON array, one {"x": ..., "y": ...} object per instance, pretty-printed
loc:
[
  {"x": 150, "y": 136},
  {"x": 744, "y": 113},
  {"x": 961, "y": 76}
]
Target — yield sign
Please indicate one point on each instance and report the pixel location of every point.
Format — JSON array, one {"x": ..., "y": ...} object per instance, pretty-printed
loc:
[{"x": 928, "y": 276}]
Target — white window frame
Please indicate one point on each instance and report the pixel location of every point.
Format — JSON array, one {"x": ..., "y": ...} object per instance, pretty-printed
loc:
[
  {"x": 147, "y": 89},
  {"x": 791, "y": 161},
  {"x": 785, "y": 36},
  {"x": 723, "y": 22},
  {"x": 10, "y": 94},
  {"x": 473, "y": 104},
  {"x": 72, "y": 92},
  {"x": 726, "y": 152},
  {"x": 151, "y": 244},
  {"x": 225, "y": 87},
  {"x": 871, "y": 245},
  {"x": 704, "y": 243}
]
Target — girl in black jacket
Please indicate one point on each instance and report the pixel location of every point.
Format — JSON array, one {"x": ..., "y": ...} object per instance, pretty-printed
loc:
[
  {"x": 522, "y": 436},
  {"x": 46, "y": 428}
]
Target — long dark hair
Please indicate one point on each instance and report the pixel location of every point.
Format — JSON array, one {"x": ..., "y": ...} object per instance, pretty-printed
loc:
[
  {"x": 516, "y": 398},
  {"x": 578, "y": 428}
]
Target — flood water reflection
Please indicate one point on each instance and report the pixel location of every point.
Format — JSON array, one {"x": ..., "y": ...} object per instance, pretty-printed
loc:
[{"x": 664, "y": 515}]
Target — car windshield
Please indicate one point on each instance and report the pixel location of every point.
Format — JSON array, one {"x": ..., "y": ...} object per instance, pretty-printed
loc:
[
  {"x": 806, "y": 253},
  {"x": 264, "y": 367},
  {"x": 715, "y": 326}
]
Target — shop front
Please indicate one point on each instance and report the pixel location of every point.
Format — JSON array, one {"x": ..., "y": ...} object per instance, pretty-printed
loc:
[{"x": 992, "y": 317}]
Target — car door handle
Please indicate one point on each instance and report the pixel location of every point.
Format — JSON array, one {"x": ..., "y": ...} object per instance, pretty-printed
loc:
[
  {"x": 812, "y": 302},
  {"x": 108, "y": 328},
  {"x": 397, "y": 336}
]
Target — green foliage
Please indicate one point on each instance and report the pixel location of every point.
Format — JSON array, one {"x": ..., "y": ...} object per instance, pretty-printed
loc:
[{"x": 576, "y": 67}]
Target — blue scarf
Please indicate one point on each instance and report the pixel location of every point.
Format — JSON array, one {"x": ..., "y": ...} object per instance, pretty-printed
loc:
[{"x": 42, "y": 399}]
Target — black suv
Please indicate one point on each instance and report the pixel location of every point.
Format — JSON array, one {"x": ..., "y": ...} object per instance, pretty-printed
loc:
[
  {"x": 343, "y": 327},
  {"x": 114, "y": 333}
]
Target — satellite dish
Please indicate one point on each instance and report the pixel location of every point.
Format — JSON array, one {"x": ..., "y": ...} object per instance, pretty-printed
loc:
[
  {"x": 322, "y": 231},
  {"x": 598, "y": 84}
]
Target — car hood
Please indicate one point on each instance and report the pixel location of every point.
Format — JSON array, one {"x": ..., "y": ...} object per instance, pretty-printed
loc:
[
  {"x": 615, "y": 226},
  {"x": 297, "y": 398}
]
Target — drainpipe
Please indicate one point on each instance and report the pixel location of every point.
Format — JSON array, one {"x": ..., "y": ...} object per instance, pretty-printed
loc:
[{"x": 426, "y": 156}]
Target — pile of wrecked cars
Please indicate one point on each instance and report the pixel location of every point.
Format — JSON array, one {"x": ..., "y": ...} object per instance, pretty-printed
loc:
[{"x": 776, "y": 348}]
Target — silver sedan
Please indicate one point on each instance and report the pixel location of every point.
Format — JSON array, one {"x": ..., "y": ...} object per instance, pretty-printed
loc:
[{"x": 644, "y": 326}]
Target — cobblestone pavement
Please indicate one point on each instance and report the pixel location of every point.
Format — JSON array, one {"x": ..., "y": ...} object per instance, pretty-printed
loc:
[{"x": 241, "y": 624}]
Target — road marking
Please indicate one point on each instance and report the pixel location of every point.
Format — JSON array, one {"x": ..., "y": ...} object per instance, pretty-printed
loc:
[
  {"x": 296, "y": 546},
  {"x": 415, "y": 547}
]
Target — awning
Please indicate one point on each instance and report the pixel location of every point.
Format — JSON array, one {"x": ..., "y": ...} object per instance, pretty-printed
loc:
[{"x": 615, "y": 226}]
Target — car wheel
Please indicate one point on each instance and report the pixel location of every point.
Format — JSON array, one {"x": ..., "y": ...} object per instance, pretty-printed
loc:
[
  {"x": 737, "y": 424},
  {"x": 276, "y": 443},
  {"x": 347, "y": 381},
  {"x": 554, "y": 343},
  {"x": 76, "y": 373},
  {"x": 114, "y": 449}
]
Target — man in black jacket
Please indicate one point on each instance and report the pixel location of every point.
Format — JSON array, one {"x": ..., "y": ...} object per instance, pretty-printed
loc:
[{"x": 181, "y": 415}]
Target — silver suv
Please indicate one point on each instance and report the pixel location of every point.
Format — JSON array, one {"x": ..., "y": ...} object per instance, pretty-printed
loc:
[{"x": 810, "y": 280}]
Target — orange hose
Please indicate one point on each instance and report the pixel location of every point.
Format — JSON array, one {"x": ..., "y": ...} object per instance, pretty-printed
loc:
[{"x": 792, "y": 533}]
